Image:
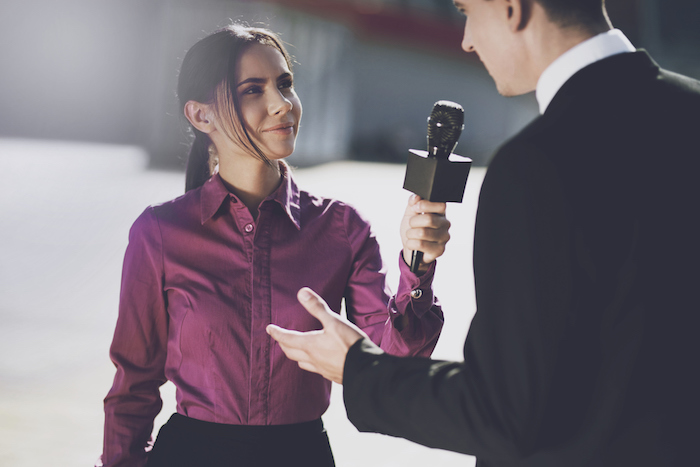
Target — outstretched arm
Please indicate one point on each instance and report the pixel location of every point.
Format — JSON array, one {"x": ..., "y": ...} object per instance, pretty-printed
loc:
[{"x": 408, "y": 322}]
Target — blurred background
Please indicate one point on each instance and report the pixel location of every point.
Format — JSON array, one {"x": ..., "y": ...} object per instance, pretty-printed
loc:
[
  {"x": 91, "y": 134},
  {"x": 368, "y": 71}
]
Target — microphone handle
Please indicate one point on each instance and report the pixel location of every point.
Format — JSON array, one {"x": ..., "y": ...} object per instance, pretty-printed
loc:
[{"x": 416, "y": 258}]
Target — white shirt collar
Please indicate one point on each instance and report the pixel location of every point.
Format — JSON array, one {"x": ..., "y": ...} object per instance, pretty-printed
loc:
[{"x": 596, "y": 48}]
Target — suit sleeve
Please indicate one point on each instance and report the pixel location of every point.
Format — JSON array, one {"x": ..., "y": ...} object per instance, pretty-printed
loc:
[
  {"x": 401, "y": 324},
  {"x": 138, "y": 349},
  {"x": 489, "y": 405}
]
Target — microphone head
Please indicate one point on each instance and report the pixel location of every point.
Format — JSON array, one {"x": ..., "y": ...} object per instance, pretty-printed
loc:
[{"x": 445, "y": 124}]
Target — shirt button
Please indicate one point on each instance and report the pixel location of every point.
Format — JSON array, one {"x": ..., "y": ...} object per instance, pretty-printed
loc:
[
  {"x": 248, "y": 228},
  {"x": 416, "y": 293}
]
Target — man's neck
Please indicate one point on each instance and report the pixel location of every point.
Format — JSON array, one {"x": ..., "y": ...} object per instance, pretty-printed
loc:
[
  {"x": 598, "y": 47},
  {"x": 545, "y": 40}
]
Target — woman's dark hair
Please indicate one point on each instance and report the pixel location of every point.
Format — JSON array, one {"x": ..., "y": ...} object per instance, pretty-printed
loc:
[{"x": 207, "y": 75}]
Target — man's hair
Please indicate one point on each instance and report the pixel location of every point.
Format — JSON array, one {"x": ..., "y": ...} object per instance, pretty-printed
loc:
[{"x": 575, "y": 13}]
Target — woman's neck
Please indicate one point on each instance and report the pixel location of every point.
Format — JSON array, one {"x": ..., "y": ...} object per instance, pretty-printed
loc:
[{"x": 250, "y": 179}]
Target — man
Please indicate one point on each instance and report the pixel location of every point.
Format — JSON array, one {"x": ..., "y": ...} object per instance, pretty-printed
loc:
[{"x": 586, "y": 258}]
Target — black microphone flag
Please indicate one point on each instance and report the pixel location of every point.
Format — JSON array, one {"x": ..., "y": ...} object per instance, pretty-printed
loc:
[{"x": 437, "y": 174}]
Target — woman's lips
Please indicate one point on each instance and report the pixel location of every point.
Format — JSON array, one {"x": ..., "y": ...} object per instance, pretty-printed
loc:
[{"x": 282, "y": 129}]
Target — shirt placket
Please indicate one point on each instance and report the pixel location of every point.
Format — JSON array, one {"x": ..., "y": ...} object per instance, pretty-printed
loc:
[{"x": 261, "y": 317}]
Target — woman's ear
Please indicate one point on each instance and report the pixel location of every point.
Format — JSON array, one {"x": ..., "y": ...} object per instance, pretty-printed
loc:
[{"x": 201, "y": 116}]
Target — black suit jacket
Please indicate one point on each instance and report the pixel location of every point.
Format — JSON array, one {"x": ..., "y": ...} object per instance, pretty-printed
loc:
[{"x": 584, "y": 348}]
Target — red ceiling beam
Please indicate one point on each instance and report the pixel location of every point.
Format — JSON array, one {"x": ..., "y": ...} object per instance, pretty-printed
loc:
[{"x": 389, "y": 24}]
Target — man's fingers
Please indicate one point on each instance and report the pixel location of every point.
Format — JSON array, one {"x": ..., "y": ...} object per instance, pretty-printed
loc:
[
  {"x": 290, "y": 338},
  {"x": 321, "y": 351},
  {"x": 293, "y": 343},
  {"x": 287, "y": 337},
  {"x": 304, "y": 365},
  {"x": 315, "y": 305},
  {"x": 295, "y": 354}
]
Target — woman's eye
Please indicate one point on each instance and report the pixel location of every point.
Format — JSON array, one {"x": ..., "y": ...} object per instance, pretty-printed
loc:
[
  {"x": 286, "y": 84},
  {"x": 253, "y": 90}
]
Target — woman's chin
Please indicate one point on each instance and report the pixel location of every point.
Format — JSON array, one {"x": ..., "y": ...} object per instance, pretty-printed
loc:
[{"x": 280, "y": 153}]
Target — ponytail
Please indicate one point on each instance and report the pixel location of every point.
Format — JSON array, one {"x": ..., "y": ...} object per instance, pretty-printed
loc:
[{"x": 198, "y": 168}]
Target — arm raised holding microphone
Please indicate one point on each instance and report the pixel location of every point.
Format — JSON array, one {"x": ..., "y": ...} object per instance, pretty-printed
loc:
[
  {"x": 439, "y": 176},
  {"x": 424, "y": 227}
]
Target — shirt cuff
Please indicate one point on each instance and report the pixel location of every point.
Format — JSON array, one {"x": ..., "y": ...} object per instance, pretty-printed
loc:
[{"x": 415, "y": 291}]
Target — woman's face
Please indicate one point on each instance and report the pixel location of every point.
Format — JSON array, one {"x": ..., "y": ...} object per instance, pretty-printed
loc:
[{"x": 270, "y": 107}]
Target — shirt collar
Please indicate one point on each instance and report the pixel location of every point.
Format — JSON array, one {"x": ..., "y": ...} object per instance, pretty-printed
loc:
[
  {"x": 212, "y": 195},
  {"x": 596, "y": 48},
  {"x": 286, "y": 195}
]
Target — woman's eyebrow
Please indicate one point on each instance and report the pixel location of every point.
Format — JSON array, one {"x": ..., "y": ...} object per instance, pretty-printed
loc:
[
  {"x": 255, "y": 80},
  {"x": 251, "y": 80}
]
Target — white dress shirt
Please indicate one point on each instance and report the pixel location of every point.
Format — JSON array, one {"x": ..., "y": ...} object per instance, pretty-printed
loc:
[{"x": 596, "y": 48}]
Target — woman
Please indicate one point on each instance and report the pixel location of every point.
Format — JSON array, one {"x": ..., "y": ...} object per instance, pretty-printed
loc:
[{"x": 205, "y": 274}]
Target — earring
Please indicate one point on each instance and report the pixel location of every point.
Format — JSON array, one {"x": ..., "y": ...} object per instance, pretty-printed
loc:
[{"x": 213, "y": 159}]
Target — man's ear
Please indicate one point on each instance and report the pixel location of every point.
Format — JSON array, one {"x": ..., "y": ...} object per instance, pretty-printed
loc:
[
  {"x": 518, "y": 13},
  {"x": 201, "y": 116}
]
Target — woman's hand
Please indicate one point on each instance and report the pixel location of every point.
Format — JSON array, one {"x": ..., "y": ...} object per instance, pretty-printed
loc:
[{"x": 425, "y": 228}]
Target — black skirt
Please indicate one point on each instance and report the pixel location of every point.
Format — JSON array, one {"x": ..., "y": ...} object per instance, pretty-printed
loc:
[{"x": 187, "y": 442}]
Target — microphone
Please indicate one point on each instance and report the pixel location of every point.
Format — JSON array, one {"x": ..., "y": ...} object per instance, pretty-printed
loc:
[
  {"x": 437, "y": 174},
  {"x": 445, "y": 125}
]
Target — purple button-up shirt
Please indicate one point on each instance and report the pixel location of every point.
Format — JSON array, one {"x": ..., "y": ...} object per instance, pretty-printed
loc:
[{"x": 201, "y": 281}]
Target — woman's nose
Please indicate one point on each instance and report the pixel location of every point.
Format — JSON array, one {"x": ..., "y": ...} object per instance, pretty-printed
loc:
[{"x": 280, "y": 104}]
